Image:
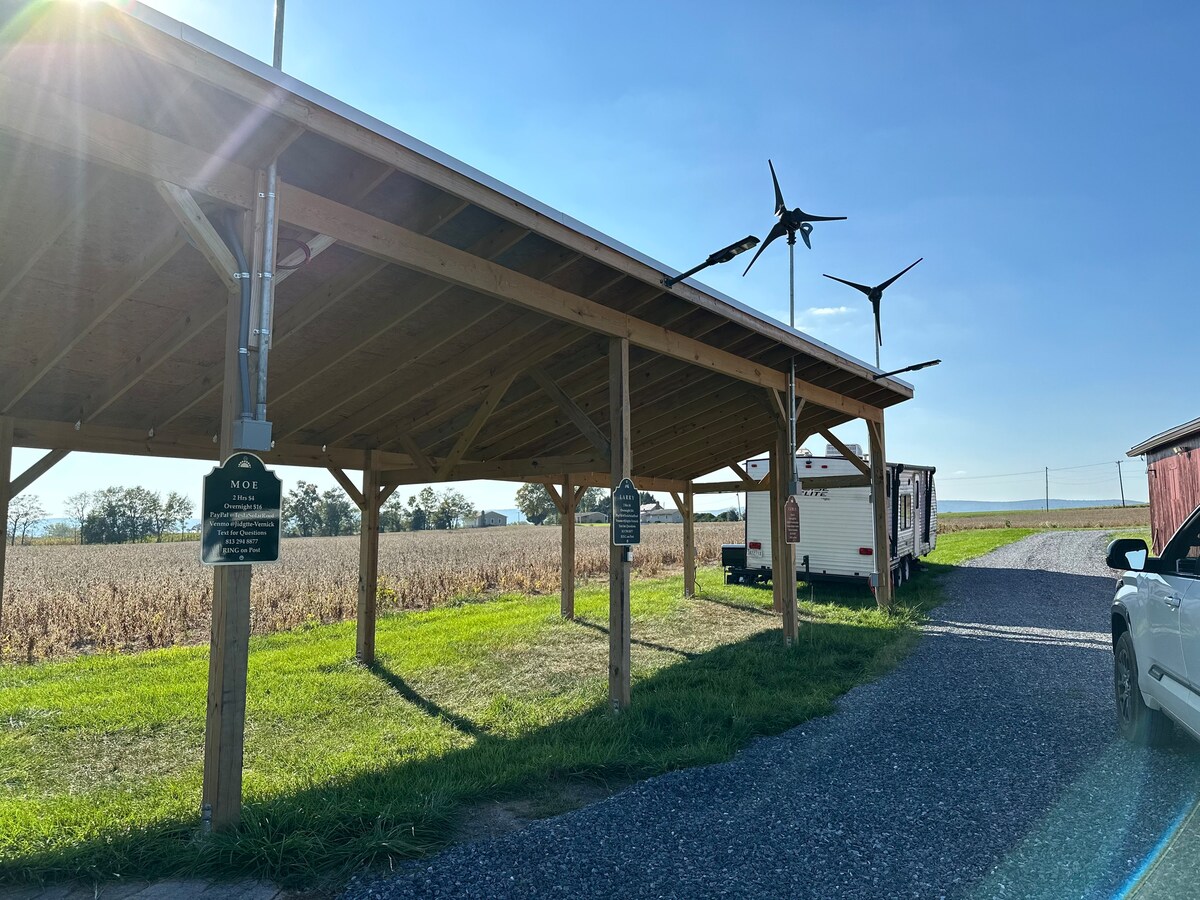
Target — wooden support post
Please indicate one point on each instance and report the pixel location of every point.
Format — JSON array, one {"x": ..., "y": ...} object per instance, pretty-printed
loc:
[
  {"x": 879, "y": 501},
  {"x": 568, "y": 548},
  {"x": 225, "y": 722},
  {"x": 6, "y": 446},
  {"x": 788, "y": 594},
  {"x": 619, "y": 564},
  {"x": 686, "y": 503},
  {"x": 368, "y": 561}
]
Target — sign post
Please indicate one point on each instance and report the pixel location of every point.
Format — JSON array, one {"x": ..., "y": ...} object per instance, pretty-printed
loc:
[
  {"x": 240, "y": 513},
  {"x": 791, "y": 520}
]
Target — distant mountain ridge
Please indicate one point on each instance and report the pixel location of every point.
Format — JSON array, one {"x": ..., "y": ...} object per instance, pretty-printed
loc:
[{"x": 952, "y": 506}]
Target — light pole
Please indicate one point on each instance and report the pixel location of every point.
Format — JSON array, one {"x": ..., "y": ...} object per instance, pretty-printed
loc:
[{"x": 724, "y": 255}]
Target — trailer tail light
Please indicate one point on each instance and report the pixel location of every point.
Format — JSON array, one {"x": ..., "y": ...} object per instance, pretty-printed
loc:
[
  {"x": 865, "y": 551},
  {"x": 755, "y": 545}
]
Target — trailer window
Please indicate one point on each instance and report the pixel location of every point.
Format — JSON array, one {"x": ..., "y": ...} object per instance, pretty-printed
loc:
[{"x": 905, "y": 511}]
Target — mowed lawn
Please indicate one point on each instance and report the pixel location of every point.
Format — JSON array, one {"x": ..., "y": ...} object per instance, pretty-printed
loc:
[{"x": 346, "y": 765}]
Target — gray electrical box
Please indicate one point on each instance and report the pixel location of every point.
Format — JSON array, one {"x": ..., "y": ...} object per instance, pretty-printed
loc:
[{"x": 251, "y": 434}]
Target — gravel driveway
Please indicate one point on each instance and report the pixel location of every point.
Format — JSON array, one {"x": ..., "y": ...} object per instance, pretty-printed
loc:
[{"x": 986, "y": 765}]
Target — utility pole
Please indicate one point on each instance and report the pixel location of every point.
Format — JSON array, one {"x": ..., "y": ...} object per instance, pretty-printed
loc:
[
  {"x": 1121, "y": 479},
  {"x": 1047, "y": 489}
]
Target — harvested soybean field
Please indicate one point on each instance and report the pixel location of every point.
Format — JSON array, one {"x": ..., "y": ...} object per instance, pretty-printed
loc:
[
  {"x": 1093, "y": 517},
  {"x": 60, "y": 601}
]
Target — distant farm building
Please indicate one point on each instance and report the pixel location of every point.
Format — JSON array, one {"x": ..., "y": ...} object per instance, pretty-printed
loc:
[
  {"x": 1173, "y": 473},
  {"x": 592, "y": 518},
  {"x": 489, "y": 520},
  {"x": 660, "y": 515}
]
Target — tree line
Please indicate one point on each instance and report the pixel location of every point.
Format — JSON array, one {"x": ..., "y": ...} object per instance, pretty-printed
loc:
[{"x": 307, "y": 512}]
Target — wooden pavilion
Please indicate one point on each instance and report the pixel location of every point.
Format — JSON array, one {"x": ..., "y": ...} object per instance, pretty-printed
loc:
[{"x": 429, "y": 324}]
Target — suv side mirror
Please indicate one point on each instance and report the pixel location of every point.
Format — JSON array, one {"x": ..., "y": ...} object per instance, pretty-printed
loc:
[{"x": 1127, "y": 553}]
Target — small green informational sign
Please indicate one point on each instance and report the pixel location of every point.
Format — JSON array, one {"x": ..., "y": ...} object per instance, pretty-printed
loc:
[
  {"x": 240, "y": 513},
  {"x": 626, "y": 515},
  {"x": 791, "y": 520}
]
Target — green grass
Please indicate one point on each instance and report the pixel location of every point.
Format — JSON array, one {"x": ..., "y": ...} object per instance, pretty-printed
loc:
[{"x": 349, "y": 766}]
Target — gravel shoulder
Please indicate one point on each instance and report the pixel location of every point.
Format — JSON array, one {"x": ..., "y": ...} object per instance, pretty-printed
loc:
[{"x": 986, "y": 765}]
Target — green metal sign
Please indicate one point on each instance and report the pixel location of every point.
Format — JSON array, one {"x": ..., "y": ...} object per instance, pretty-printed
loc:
[
  {"x": 626, "y": 515},
  {"x": 240, "y": 513}
]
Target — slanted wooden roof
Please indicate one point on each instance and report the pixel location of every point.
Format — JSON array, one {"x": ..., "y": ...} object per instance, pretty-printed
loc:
[{"x": 444, "y": 319}]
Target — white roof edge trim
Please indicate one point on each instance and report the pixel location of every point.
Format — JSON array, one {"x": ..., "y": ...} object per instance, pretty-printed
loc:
[
  {"x": 186, "y": 33},
  {"x": 1179, "y": 432}
]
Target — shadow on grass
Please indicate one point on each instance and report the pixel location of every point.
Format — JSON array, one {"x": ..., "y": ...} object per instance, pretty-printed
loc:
[
  {"x": 649, "y": 645},
  {"x": 402, "y": 687},
  {"x": 700, "y": 710}
]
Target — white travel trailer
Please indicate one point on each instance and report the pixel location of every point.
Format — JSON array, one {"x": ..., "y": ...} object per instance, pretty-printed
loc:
[{"x": 837, "y": 525}]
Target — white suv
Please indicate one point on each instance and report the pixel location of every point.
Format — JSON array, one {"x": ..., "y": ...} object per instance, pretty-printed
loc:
[{"x": 1156, "y": 635}]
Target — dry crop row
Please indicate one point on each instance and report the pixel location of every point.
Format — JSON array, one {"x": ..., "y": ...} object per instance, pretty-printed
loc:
[{"x": 59, "y": 600}]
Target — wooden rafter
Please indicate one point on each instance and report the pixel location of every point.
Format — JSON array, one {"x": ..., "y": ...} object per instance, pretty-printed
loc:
[
  {"x": 204, "y": 237},
  {"x": 472, "y": 430},
  {"x": 36, "y": 471},
  {"x": 851, "y": 457},
  {"x": 107, "y": 300},
  {"x": 82, "y": 131},
  {"x": 530, "y": 469},
  {"x": 348, "y": 486},
  {"x": 585, "y": 425}
]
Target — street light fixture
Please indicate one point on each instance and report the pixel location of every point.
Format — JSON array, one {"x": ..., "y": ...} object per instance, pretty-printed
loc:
[
  {"x": 924, "y": 365},
  {"x": 724, "y": 255}
]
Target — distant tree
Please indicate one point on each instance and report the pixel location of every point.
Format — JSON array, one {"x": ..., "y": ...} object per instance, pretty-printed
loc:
[
  {"x": 452, "y": 508},
  {"x": 730, "y": 515},
  {"x": 24, "y": 512},
  {"x": 535, "y": 503},
  {"x": 109, "y": 519},
  {"x": 645, "y": 497},
  {"x": 422, "y": 508},
  {"x": 394, "y": 516},
  {"x": 79, "y": 506},
  {"x": 302, "y": 510},
  {"x": 338, "y": 515},
  {"x": 178, "y": 509},
  {"x": 593, "y": 500},
  {"x": 59, "y": 531},
  {"x": 706, "y": 517}
]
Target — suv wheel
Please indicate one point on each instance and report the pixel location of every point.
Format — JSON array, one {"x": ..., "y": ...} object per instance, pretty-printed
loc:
[{"x": 1137, "y": 722}]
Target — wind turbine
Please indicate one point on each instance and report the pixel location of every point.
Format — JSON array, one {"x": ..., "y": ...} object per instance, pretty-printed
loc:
[
  {"x": 875, "y": 294},
  {"x": 790, "y": 222}
]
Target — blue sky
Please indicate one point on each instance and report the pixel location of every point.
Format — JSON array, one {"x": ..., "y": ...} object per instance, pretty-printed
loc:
[{"x": 1040, "y": 156}]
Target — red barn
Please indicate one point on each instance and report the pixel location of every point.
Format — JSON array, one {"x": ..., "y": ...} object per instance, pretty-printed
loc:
[{"x": 1173, "y": 470}]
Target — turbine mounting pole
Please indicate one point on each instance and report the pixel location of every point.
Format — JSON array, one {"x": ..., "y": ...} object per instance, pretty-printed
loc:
[{"x": 791, "y": 387}]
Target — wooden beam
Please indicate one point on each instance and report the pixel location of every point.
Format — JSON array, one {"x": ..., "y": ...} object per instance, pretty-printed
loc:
[
  {"x": 741, "y": 473},
  {"x": 368, "y": 562},
  {"x": 494, "y": 396},
  {"x": 727, "y": 487},
  {"x": 619, "y": 558},
  {"x": 116, "y": 290},
  {"x": 313, "y": 117},
  {"x": 83, "y": 132},
  {"x": 556, "y": 498},
  {"x": 586, "y": 479},
  {"x": 418, "y": 456},
  {"x": 36, "y": 471},
  {"x": 879, "y": 500},
  {"x": 689, "y": 542},
  {"x": 349, "y": 487},
  {"x": 6, "y": 448},
  {"x": 850, "y": 456},
  {"x": 528, "y": 469},
  {"x": 204, "y": 236},
  {"x": 569, "y": 500},
  {"x": 33, "y": 433},
  {"x": 581, "y": 420},
  {"x": 776, "y": 405}
]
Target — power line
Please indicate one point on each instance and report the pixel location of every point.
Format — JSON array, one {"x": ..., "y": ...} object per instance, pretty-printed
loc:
[{"x": 1018, "y": 474}]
